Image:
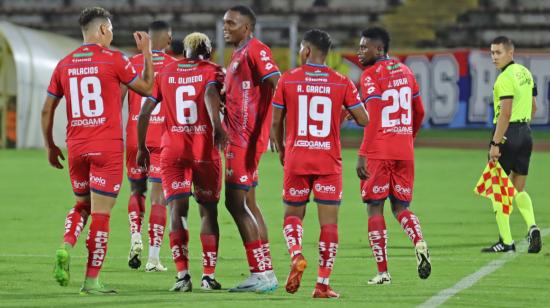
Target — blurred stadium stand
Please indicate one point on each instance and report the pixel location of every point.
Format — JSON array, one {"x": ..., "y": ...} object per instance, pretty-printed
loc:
[
  {"x": 527, "y": 22},
  {"x": 344, "y": 19}
]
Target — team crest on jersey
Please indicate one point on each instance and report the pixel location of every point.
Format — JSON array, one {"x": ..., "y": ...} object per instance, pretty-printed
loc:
[
  {"x": 246, "y": 85},
  {"x": 234, "y": 66}
]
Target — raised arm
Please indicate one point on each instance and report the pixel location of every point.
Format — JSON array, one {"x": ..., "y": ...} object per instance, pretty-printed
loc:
[{"x": 144, "y": 84}]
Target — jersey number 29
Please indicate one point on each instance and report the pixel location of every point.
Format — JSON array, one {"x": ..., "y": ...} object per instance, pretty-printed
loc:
[{"x": 400, "y": 99}]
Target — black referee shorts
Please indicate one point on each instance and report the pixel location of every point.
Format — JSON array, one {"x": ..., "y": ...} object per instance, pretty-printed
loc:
[{"x": 515, "y": 153}]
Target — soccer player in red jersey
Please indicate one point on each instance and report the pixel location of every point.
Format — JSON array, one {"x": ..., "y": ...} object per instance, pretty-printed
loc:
[
  {"x": 161, "y": 36},
  {"x": 307, "y": 107},
  {"x": 386, "y": 157},
  {"x": 89, "y": 78},
  {"x": 189, "y": 90},
  {"x": 251, "y": 80}
]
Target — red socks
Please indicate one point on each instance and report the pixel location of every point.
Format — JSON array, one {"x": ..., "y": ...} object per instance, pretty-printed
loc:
[
  {"x": 180, "y": 253},
  {"x": 292, "y": 229},
  {"x": 255, "y": 256},
  {"x": 378, "y": 238},
  {"x": 267, "y": 256},
  {"x": 75, "y": 221},
  {"x": 136, "y": 210},
  {"x": 157, "y": 223},
  {"x": 411, "y": 225},
  {"x": 97, "y": 243},
  {"x": 209, "y": 253},
  {"x": 328, "y": 246}
]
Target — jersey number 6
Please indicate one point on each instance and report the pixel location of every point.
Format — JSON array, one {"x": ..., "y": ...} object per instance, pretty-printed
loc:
[{"x": 186, "y": 110}]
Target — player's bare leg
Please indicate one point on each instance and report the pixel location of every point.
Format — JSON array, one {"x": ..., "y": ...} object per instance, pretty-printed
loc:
[
  {"x": 235, "y": 202},
  {"x": 96, "y": 243},
  {"x": 378, "y": 239},
  {"x": 525, "y": 206},
  {"x": 136, "y": 212},
  {"x": 411, "y": 225},
  {"x": 179, "y": 240},
  {"x": 293, "y": 231},
  {"x": 210, "y": 235},
  {"x": 157, "y": 224},
  {"x": 74, "y": 224},
  {"x": 328, "y": 246},
  {"x": 254, "y": 207}
]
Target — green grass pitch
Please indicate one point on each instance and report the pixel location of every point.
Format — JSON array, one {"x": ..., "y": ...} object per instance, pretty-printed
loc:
[{"x": 35, "y": 198}]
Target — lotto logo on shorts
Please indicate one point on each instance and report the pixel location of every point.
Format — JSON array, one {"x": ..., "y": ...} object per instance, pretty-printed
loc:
[
  {"x": 380, "y": 189},
  {"x": 203, "y": 192},
  {"x": 154, "y": 169},
  {"x": 98, "y": 180},
  {"x": 298, "y": 192},
  {"x": 135, "y": 170},
  {"x": 331, "y": 189},
  {"x": 402, "y": 190},
  {"x": 180, "y": 185},
  {"x": 243, "y": 178},
  {"x": 116, "y": 187},
  {"x": 80, "y": 185}
]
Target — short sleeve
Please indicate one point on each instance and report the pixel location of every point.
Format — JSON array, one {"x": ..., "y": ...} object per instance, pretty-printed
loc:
[
  {"x": 156, "y": 95},
  {"x": 125, "y": 70},
  {"x": 55, "y": 88},
  {"x": 263, "y": 62},
  {"x": 352, "y": 99},
  {"x": 504, "y": 87},
  {"x": 216, "y": 77},
  {"x": 415, "y": 88},
  {"x": 369, "y": 88},
  {"x": 278, "y": 100}
]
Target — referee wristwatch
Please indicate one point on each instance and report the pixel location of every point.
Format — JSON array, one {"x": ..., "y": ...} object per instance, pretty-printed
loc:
[{"x": 497, "y": 144}]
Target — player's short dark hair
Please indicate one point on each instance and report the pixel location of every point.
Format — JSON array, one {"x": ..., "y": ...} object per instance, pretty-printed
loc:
[
  {"x": 245, "y": 11},
  {"x": 379, "y": 34},
  {"x": 177, "y": 47},
  {"x": 504, "y": 40},
  {"x": 319, "y": 39},
  {"x": 89, "y": 14},
  {"x": 159, "y": 25}
]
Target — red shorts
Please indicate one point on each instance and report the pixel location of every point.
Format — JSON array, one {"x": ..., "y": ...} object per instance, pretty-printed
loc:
[
  {"x": 136, "y": 173},
  {"x": 100, "y": 172},
  {"x": 179, "y": 173},
  {"x": 327, "y": 189},
  {"x": 393, "y": 178},
  {"x": 241, "y": 167}
]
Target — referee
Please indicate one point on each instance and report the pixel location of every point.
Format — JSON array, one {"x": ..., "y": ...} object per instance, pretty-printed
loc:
[{"x": 514, "y": 103}]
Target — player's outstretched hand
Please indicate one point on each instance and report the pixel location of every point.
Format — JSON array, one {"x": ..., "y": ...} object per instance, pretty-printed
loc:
[
  {"x": 220, "y": 138},
  {"x": 143, "y": 41},
  {"x": 361, "y": 168},
  {"x": 494, "y": 153},
  {"x": 142, "y": 158},
  {"x": 282, "y": 157},
  {"x": 54, "y": 154}
]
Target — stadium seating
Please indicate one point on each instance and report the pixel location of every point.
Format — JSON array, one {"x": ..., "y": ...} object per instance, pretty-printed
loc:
[{"x": 510, "y": 17}]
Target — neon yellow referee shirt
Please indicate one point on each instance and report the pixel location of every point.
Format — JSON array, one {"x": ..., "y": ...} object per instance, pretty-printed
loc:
[{"x": 515, "y": 82}]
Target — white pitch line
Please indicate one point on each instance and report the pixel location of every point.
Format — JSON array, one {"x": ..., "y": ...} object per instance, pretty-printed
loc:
[{"x": 472, "y": 279}]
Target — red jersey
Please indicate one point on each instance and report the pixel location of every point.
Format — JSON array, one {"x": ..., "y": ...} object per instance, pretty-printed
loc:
[
  {"x": 313, "y": 96},
  {"x": 135, "y": 101},
  {"x": 180, "y": 86},
  {"x": 392, "y": 97},
  {"x": 90, "y": 78},
  {"x": 248, "y": 98}
]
